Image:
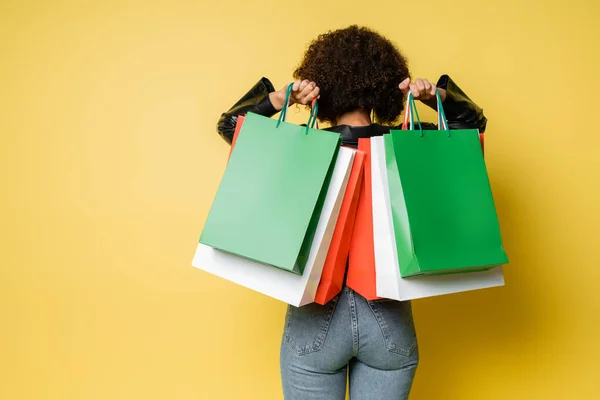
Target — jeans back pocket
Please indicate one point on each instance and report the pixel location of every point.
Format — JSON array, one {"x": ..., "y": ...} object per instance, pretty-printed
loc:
[
  {"x": 397, "y": 326},
  {"x": 306, "y": 327}
]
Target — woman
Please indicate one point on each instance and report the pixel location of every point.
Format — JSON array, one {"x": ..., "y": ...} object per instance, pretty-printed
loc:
[{"x": 356, "y": 73}]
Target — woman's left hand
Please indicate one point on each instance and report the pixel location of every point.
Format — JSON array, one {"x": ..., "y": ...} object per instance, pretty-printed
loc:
[
  {"x": 303, "y": 92},
  {"x": 421, "y": 89}
]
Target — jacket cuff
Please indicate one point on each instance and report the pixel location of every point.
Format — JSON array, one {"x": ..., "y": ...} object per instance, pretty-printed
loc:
[
  {"x": 264, "y": 107},
  {"x": 461, "y": 111},
  {"x": 256, "y": 100}
]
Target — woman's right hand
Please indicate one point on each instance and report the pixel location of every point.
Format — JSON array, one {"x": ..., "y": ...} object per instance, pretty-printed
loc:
[{"x": 303, "y": 92}]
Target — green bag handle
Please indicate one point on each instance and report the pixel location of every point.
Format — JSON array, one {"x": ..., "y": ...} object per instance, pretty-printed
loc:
[
  {"x": 411, "y": 110},
  {"x": 286, "y": 104},
  {"x": 442, "y": 121},
  {"x": 312, "y": 119}
]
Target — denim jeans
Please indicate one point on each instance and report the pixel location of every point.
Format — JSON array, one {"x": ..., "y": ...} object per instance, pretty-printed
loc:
[{"x": 371, "y": 343}]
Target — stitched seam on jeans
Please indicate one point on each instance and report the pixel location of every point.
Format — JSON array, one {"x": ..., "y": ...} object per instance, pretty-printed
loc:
[
  {"x": 380, "y": 321},
  {"x": 354, "y": 320},
  {"x": 319, "y": 340},
  {"x": 287, "y": 325},
  {"x": 403, "y": 351},
  {"x": 383, "y": 326}
]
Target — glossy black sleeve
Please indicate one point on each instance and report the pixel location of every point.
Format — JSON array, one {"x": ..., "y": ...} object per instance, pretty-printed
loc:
[
  {"x": 256, "y": 101},
  {"x": 461, "y": 111}
]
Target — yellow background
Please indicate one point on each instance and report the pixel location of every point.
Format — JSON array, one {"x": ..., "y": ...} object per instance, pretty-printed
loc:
[{"x": 109, "y": 162}]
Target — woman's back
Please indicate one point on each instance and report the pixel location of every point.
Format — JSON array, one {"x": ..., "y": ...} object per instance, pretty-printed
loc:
[{"x": 354, "y": 73}]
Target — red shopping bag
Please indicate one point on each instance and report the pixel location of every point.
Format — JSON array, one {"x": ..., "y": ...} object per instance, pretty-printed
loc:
[
  {"x": 481, "y": 140},
  {"x": 361, "y": 260},
  {"x": 238, "y": 127},
  {"x": 332, "y": 277}
]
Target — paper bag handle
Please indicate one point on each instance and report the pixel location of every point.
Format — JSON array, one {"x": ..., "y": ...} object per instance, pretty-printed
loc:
[
  {"x": 411, "y": 111},
  {"x": 312, "y": 119}
]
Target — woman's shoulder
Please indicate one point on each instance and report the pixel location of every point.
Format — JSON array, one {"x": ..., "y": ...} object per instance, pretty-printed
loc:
[
  {"x": 351, "y": 134},
  {"x": 362, "y": 130},
  {"x": 373, "y": 129}
]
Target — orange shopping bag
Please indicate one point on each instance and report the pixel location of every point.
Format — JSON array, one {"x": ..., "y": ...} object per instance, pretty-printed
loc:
[
  {"x": 481, "y": 141},
  {"x": 238, "y": 127},
  {"x": 361, "y": 260},
  {"x": 332, "y": 277}
]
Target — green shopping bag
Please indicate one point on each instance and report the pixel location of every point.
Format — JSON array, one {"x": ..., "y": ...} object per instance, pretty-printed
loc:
[
  {"x": 443, "y": 212},
  {"x": 269, "y": 201}
]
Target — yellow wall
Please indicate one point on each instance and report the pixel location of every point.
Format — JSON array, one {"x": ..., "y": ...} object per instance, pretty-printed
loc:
[{"x": 109, "y": 161}]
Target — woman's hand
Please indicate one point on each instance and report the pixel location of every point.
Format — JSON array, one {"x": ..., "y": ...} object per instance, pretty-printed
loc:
[
  {"x": 422, "y": 90},
  {"x": 303, "y": 92}
]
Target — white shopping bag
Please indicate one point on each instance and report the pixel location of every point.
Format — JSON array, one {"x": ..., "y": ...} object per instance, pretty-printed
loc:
[
  {"x": 293, "y": 289},
  {"x": 387, "y": 271}
]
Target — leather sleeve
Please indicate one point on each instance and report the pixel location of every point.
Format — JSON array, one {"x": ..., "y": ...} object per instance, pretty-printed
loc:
[
  {"x": 461, "y": 111},
  {"x": 256, "y": 101}
]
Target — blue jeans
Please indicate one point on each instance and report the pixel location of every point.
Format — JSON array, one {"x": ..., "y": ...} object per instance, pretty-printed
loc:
[{"x": 372, "y": 343}]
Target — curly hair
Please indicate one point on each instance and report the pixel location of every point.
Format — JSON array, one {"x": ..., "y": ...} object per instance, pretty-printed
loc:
[{"x": 355, "y": 68}]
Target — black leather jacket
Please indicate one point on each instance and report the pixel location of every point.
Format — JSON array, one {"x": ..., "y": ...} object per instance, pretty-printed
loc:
[{"x": 461, "y": 113}]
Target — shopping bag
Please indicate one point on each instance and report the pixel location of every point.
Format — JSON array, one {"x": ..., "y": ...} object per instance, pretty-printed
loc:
[
  {"x": 361, "y": 258},
  {"x": 481, "y": 140},
  {"x": 389, "y": 282},
  {"x": 332, "y": 277},
  {"x": 269, "y": 201},
  {"x": 293, "y": 289},
  {"x": 443, "y": 210},
  {"x": 236, "y": 132}
]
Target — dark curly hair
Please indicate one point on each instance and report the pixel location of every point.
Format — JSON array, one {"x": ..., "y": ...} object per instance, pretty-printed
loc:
[{"x": 355, "y": 68}]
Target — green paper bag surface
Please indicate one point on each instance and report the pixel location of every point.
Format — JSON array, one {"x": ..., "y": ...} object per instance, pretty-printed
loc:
[
  {"x": 269, "y": 201},
  {"x": 443, "y": 211}
]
